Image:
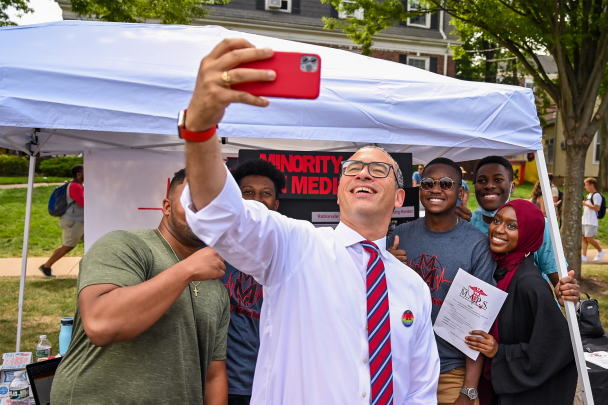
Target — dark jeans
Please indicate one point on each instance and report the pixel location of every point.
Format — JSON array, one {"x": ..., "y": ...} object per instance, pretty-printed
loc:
[{"x": 239, "y": 399}]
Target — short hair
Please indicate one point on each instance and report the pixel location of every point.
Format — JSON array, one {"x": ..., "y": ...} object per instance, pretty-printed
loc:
[
  {"x": 77, "y": 169},
  {"x": 178, "y": 178},
  {"x": 550, "y": 177},
  {"x": 260, "y": 167},
  {"x": 498, "y": 160},
  {"x": 396, "y": 168},
  {"x": 447, "y": 162},
  {"x": 591, "y": 180}
]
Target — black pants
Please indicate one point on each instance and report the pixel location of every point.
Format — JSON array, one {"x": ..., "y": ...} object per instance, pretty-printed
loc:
[{"x": 239, "y": 399}]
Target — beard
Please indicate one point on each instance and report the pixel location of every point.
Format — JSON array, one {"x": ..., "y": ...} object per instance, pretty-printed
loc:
[{"x": 183, "y": 232}]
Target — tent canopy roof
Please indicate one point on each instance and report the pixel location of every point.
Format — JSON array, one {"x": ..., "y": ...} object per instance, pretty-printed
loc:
[{"x": 93, "y": 84}]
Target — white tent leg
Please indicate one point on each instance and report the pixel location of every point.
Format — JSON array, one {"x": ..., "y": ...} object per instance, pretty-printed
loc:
[
  {"x": 575, "y": 335},
  {"x": 26, "y": 240}
]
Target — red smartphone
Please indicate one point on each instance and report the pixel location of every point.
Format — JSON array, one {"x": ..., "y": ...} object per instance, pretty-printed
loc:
[{"x": 298, "y": 76}]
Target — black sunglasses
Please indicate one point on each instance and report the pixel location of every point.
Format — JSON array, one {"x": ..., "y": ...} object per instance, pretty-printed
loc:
[{"x": 445, "y": 183}]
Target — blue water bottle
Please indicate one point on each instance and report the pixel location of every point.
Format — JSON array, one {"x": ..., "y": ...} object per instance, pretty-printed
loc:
[{"x": 65, "y": 336}]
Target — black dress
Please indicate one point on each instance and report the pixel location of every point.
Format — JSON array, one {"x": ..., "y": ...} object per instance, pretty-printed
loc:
[{"x": 535, "y": 362}]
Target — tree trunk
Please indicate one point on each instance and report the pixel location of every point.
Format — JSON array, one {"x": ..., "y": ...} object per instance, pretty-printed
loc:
[
  {"x": 602, "y": 176},
  {"x": 573, "y": 203}
]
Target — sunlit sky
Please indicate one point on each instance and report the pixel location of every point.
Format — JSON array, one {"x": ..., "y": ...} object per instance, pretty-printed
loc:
[{"x": 44, "y": 11}]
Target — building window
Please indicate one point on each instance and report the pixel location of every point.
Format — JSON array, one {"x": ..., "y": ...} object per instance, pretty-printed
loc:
[
  {"x": 596, "y": 148},
  {"x": 279, "y": 5},
  {"x": 419, "y": 62},
  {"x": 343, "y": 15},
  {"x": 423, "y": 21},
  {"x": 530, "y": 84},
  {"x": 549, "y": 150}
]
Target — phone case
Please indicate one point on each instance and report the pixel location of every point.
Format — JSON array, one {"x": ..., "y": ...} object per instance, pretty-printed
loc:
[{"x": 293, "y": 79}]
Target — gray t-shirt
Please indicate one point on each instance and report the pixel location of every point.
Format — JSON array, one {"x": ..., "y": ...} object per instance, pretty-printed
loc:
[
  {"x": 165, "y": 364},
  {"x": 436, "y": 257}
]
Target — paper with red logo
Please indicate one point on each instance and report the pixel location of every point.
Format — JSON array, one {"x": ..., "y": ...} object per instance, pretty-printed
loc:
[{"x": 471, "y": 304}]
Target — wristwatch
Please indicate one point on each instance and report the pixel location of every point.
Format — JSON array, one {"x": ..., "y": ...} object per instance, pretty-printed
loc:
[
  {"x": 469, "y": 392},
  {"x": 193, "y": 136}
]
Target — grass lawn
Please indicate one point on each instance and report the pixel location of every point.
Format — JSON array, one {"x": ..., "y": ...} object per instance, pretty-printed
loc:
[
  {"x": 37, "y": 179},
  {"x": 45, "y": 303},
  {"x": 45, "y": 234}
]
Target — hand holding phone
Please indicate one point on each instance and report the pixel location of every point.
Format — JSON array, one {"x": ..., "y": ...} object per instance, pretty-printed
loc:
[{"x": 298, "y": 76}]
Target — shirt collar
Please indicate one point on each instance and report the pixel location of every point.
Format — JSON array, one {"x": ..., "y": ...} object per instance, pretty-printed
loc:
[{"x": 350, "y": 237}]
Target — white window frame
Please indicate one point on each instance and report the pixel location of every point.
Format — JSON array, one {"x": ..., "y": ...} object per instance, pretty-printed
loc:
[
  {"x": 343, "y": 15},
  {"x": 549, "y": 152},
  {"x": 596, "y": 142},
  {"x": 268, "y": 8},
  {"x": 427, "y": 18},
  {"x": 426, "y": 59}
]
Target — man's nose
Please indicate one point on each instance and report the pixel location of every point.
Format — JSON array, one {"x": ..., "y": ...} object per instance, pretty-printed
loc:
[{"x": 364, "y": 173}]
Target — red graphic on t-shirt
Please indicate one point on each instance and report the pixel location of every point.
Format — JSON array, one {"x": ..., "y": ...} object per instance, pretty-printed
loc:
[
  {"x": 243, "y": 289},
  {"x": 428, "y": 267}
]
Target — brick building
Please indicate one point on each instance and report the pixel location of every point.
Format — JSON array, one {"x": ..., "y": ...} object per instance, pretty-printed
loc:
[{"x": 423, "y": 41}]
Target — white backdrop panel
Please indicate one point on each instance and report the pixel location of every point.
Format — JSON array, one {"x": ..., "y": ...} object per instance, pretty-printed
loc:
[{"x": 119, "y": 182}]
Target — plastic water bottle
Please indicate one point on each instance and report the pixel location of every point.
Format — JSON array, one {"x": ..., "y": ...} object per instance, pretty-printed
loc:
[
  {"x": 19, "y": 389},
  {"x": 65, "y": 336},
  {"x": 43, "y": 348}
]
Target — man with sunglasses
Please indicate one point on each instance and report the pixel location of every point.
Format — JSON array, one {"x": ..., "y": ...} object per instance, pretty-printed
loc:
[
  {"x": 343, "y": 321},
  {"x": 437, "y": 246}
]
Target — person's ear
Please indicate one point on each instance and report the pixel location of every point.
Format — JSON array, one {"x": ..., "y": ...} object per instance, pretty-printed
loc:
[
  {"x": 166, "y": 207},
  {"x": 399, "y": 198},
  {"x": 512, "y": 187},
  {"x": 461, "y": 193},
  {"x": 276, "y": 205}
]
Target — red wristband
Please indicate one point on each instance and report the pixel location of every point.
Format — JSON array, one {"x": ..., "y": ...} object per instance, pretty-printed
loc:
[{"x": 193, "y": 136}]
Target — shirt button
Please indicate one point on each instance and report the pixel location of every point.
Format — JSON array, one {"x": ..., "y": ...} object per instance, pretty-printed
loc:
[
  {"x": 364, "y": 361},
  {"x": 364, "y": 395}
]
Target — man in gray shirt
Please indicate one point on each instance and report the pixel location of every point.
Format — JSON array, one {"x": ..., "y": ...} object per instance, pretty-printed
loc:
[{"x": 437, "y": 246}]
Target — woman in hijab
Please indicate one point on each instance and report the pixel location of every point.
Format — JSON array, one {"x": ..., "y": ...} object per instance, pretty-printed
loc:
[{"x": 529, "y": 355}]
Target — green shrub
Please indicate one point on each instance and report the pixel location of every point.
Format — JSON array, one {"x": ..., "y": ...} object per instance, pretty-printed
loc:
[
  {"x": 60, "y": 166},
  {"x": 12, "y": 165}
]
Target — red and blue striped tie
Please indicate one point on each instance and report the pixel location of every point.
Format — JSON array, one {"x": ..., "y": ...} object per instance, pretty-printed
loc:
[{"x": 379, "y": 329}]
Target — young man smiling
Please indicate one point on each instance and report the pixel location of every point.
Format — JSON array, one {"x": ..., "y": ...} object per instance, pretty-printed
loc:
[
  {"x": 435, "y": 248},
  {"x": 493, "y": 188}
]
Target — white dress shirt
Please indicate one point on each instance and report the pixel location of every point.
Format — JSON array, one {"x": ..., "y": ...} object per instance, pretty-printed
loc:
[{"x": 313, "y": 337}]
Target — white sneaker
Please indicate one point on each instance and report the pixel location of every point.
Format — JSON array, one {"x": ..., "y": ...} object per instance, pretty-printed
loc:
[
  {"x": 599, "y": 256},
  {"x": 583, "y": 258}
]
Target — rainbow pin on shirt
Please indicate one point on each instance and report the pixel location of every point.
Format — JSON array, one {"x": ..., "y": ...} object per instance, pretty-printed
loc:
[{"x": 407, "y": 318}]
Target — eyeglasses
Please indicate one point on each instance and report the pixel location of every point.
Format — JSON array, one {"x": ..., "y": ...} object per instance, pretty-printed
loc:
[
  {"x": 379, "y": 170},
  {"x": 445, "y": 183}
]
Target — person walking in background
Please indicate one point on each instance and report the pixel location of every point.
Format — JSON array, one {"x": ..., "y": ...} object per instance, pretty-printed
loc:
[
  {"x": 557, "y": 197},
  {"x": 537, "y": 198},
  {"x": 72, "y": 222},
  {"x": 417, "y": 176},
  {"x": 590, "y": 219}
]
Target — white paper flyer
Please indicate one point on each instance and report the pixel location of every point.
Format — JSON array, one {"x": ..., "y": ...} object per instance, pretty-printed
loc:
[{"x": 471, "y": 304}]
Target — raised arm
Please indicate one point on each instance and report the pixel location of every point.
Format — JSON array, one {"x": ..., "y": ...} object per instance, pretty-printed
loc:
[{"x": 212, "y": 94}]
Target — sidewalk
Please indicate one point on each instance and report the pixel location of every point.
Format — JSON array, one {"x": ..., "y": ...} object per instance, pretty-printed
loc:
[
  {"x": 65, "y": 267},
  {"x": 25, "y": 185},
  {"x": 591, "y": 253}
]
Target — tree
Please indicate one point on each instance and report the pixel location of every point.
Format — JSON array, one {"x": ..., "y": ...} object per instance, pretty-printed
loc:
[
  {"x": 573, "y": 32},
  {"x": 134, "y": 11},
  {"x": 19, "y": 5}
]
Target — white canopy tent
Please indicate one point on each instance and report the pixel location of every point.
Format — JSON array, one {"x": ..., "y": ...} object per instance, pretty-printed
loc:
[{"x": 72, "y": 85}]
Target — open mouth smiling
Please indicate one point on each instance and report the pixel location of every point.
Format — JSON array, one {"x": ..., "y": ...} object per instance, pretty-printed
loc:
[
  {"x": 490, "y": 196},
  {"x": 362, "y": 190},
  {"x": 499, "y": 240}
]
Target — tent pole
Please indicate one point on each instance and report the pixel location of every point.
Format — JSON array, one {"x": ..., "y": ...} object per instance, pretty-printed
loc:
[
  {"x": 26, "y": 240},
  {"x": 562, "y": 269}
]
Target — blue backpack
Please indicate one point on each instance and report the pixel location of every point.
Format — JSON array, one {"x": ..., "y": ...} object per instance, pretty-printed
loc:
[{"x": 58, "y": 203}]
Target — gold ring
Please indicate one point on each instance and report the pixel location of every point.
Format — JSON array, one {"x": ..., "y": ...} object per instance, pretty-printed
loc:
[{"x": 226, "y": 78}]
